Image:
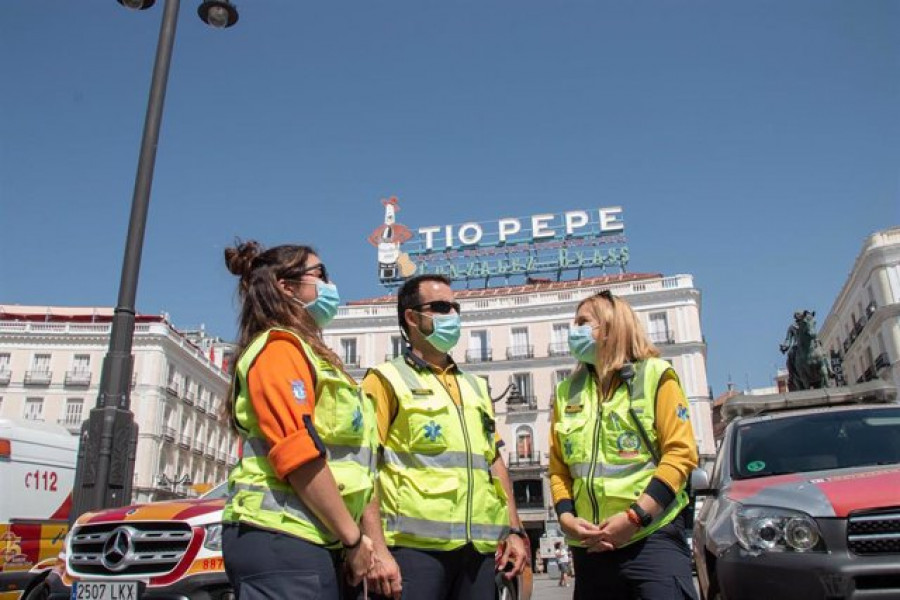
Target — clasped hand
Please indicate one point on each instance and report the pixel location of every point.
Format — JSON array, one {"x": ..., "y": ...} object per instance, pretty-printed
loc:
[{"x": 612, "y": 533}]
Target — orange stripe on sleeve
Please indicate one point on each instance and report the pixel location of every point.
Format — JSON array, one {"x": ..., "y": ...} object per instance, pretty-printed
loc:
[{"x": 282, "y": 392}]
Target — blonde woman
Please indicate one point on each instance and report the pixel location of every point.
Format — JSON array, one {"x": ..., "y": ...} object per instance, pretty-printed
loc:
[{"x": 621, "y": 452}]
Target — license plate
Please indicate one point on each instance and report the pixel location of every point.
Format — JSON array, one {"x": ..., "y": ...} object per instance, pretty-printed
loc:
[{"x": 118, "y": 590}]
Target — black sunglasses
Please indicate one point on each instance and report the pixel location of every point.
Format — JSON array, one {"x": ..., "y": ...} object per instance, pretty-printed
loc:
[
  {"x": 441, "y": 307},
  {"x": 322, "y": 272}
]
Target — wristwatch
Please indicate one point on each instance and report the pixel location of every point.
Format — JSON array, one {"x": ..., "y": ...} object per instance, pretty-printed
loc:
[
  {"x": 645, "y": 517},
  {"x": 519, "y": 532}
]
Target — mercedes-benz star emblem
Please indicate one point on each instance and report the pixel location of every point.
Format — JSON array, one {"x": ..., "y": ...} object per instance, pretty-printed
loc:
[{"x": 118, "y": 547}]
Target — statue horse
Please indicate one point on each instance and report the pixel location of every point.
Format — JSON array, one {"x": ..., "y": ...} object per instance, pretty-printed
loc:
[{"x": 806, "y": 362}]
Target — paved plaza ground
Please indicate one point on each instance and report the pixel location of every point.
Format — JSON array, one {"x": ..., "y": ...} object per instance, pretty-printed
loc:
[{"x": 546, "y": 588}]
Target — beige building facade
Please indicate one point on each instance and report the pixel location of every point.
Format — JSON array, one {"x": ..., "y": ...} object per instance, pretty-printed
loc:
[
  {"x": 519, "y": 335},
  {"x": 863, "y": 327},
  {"x": 50, "y": 364}
]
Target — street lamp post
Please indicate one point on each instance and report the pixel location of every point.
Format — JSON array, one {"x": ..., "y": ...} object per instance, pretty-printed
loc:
[
  {"x": 109, "y": 436},
  {"x": 164, "y": 481}
]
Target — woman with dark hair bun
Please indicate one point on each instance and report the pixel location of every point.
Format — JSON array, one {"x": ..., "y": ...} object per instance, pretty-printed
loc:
[{"x": 291, "y": 522}]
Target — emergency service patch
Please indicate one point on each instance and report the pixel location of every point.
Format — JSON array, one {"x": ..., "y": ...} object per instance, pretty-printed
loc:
[
  {"x": 432, "y": 431},
  {"x": 357, "y": 419},
  {"x": 568, "y": 448},
  {"x": 683, "y": 413},
  {"x": 299, "y": 390},
  {"x": 628, "y": 444}
]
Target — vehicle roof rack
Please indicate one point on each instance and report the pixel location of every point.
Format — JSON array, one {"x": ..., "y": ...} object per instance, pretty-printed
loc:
[{"x": 870, "y": 392}]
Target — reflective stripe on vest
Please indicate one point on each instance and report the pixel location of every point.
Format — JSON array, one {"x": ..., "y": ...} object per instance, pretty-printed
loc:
[
  {"x": 259, "y": 448},
  {"x": 282, "y": 500},
  {"x": 443, "y": 529},
  {"x": 444, "y": 460}
]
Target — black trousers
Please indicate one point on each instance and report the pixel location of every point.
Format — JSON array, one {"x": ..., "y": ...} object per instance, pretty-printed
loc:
[
  {"x": 460, "y": 574},
  {"x": 267, "y": 565},
  {"x": 655, "y": 568}
]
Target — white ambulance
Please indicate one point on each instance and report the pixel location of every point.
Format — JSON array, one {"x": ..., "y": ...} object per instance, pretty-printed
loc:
[{"x": 37, "y": 473}]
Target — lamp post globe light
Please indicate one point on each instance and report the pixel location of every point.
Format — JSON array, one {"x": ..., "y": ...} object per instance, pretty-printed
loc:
[{"x": 108, "y": 445}]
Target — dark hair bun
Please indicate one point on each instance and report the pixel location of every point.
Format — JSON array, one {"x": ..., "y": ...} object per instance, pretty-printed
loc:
[{"x": 239, "y": 259}]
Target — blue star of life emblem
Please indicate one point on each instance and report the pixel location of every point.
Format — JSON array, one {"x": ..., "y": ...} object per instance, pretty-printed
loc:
[
  {"x": 567, "y": 447},
  {"x": 298, "y": 388},
  {"x": 357, "y": 420},
  {"x": 683, "y": 413},
  {"x": 432, "y": 431}
]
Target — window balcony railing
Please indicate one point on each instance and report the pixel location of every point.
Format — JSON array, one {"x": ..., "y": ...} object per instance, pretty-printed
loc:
[
  {"x": 869, "y": 374},
  {"x": 662, "y": 337},
  {"x": 172, "y": 390},
  {"x": 351, "y": 362},
  {"x": 201, "y": 406},
  {"x": 38, "y": 377},
  {"x": 78, "y": 378},
  {"x": 184, "y": 440},
  {"x": 558, "y": 349},
  {"x": 521, "y": 403},
  {"x": 198, "y": 448},
  {"x": 517, "y": 459},
  {"x": 391, "y": 356},
  {"x": 168, "y": 433},
  {"x": 530, "y": 503},
  {"x": 5, "y": 376},
  {"x": 221, "y": 457},
  {"x": 479, "y": 355},
  {"x": 882, "y": 361},
  {"x": 517, "y": 352},
  {"x": 857, "y": 328},
  {"x": 189, "y": 398},
  {"x": 209, "y": 451},
  {"x": 73, "y": 424},
  {"x": 846, "y": 345}
]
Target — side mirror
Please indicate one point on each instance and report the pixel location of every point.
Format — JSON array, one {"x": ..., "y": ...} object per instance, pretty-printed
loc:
[{"x": 700, "y": 484}]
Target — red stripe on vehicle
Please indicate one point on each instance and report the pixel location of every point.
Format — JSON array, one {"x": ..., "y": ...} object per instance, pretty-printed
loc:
[
  {"x": 201, "y": 508},
  {"x": 861, "y": 491},
  {"x": 186, "y": 560},
  {"x": 746, "y": 488},
  {"x": 62, "y": 512}
]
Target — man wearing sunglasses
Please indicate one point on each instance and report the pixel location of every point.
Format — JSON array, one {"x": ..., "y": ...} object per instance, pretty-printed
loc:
[{"x": 443, "y": 489}]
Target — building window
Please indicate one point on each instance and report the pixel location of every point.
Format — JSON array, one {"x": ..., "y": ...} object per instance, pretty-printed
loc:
[
  {"x": 524, "y": 443},
  {"x": 529, "y": 493},
  {"x": 519, "y": 346},
  {"x": 522, "y": 381},
  {"x": 40, "y": 363},
  {"x": 172, "y": 379},
  {"x": 34, "y": 409},
  {"x": 559, "y": 340},
  {"x": 559, "y": 375},
  {"x": 396, "y": 347},
  {"x": 81, "y": 363},
  {"x": 348, "y": 352},
  {"x": 659, "y": 329},
  {"x": 479, "y": 347},
  {"x": 74, "y": 409},
  {"x": 4, "y": 361}
]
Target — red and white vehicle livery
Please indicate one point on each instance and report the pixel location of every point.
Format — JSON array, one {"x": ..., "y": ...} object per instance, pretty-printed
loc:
[{"x": 804, "y": 498}]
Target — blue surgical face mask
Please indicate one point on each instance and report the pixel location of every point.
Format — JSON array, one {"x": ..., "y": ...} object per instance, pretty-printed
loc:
[
  {"x": 582, "y": 344},
  {"x": 325, "y": 306},
  {"x": 446, "y": 331}
]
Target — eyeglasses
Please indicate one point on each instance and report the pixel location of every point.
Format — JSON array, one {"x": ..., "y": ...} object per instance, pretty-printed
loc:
[
  {"x": 319, "y": 271},
  {"x": 441, "y": 307}
]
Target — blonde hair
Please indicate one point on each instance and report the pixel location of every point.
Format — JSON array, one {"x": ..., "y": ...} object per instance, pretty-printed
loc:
[{"x": 622, "y": 337}]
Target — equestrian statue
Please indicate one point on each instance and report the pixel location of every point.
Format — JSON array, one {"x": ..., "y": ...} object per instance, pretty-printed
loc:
[{"x": 806, "y": 363}]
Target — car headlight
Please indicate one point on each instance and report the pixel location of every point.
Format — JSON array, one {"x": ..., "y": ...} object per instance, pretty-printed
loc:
[
  {"x": 213, "y": 540},
  {"x": 768, "y": 529}
]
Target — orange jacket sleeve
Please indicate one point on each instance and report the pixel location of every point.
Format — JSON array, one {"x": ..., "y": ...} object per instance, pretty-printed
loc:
[
  {"x": 675, "y": 434},
  {"x": 282, "y": 392}
]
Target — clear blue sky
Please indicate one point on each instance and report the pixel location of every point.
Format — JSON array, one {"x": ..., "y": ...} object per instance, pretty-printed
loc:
[{"x": 753, "y": 145}]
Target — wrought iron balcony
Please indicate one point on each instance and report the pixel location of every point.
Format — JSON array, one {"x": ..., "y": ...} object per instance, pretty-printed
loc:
[
  {"x": 521, "y": 403},
  {"x": 869, "y": 374},
  {"x": 189, "y": 398},
  {"x": 517, "y": 352},
  {"x": 38, "y": 377},
  {"x": 662, "y": 337},
  {"x": 172, "y": 390},
  {"x": 351, "y": 362},
  {"x": 209, "y": 452},
  {"x": 479, "y": 355},
  {"x": 201, "y": 406},
  {"x": 168, "y": 433},
  {"x": 558, "y": 349},
  {"x": 221, "y": 457},
  {"x": 519, "y": 460},
  {"x": 5, "y": 376},
  {"x": 184, "y": 440},
  {"x": 73, "y": 424},
  {"x": 78, "y": 377},
  {"x": 198, "y": 448},
  {"x": 882, "y": 361}
]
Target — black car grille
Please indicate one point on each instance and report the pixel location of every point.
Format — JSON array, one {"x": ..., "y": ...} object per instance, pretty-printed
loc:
[
  {"x": 146, "y": 549},
  {"x": 874, "y": 533}
]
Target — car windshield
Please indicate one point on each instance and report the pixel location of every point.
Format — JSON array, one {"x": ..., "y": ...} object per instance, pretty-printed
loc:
[
  {"x": 833, "y": 439},
  {"x": 220, "y": 491}
]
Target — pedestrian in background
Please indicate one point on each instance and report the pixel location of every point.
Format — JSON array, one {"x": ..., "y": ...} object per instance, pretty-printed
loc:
[
  {"x": 306, "y": 470},
  {"x": 562, "y": 561},
  {"x": 621, "y": 451},
  {"x": 444, "y": 496}
]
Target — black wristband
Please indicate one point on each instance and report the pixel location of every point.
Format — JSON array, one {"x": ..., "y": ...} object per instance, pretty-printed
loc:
[
  {"x": 645, "y": 517},
  {"x": 519, "y": 532},
  {"x": 355, "y": 544}
]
